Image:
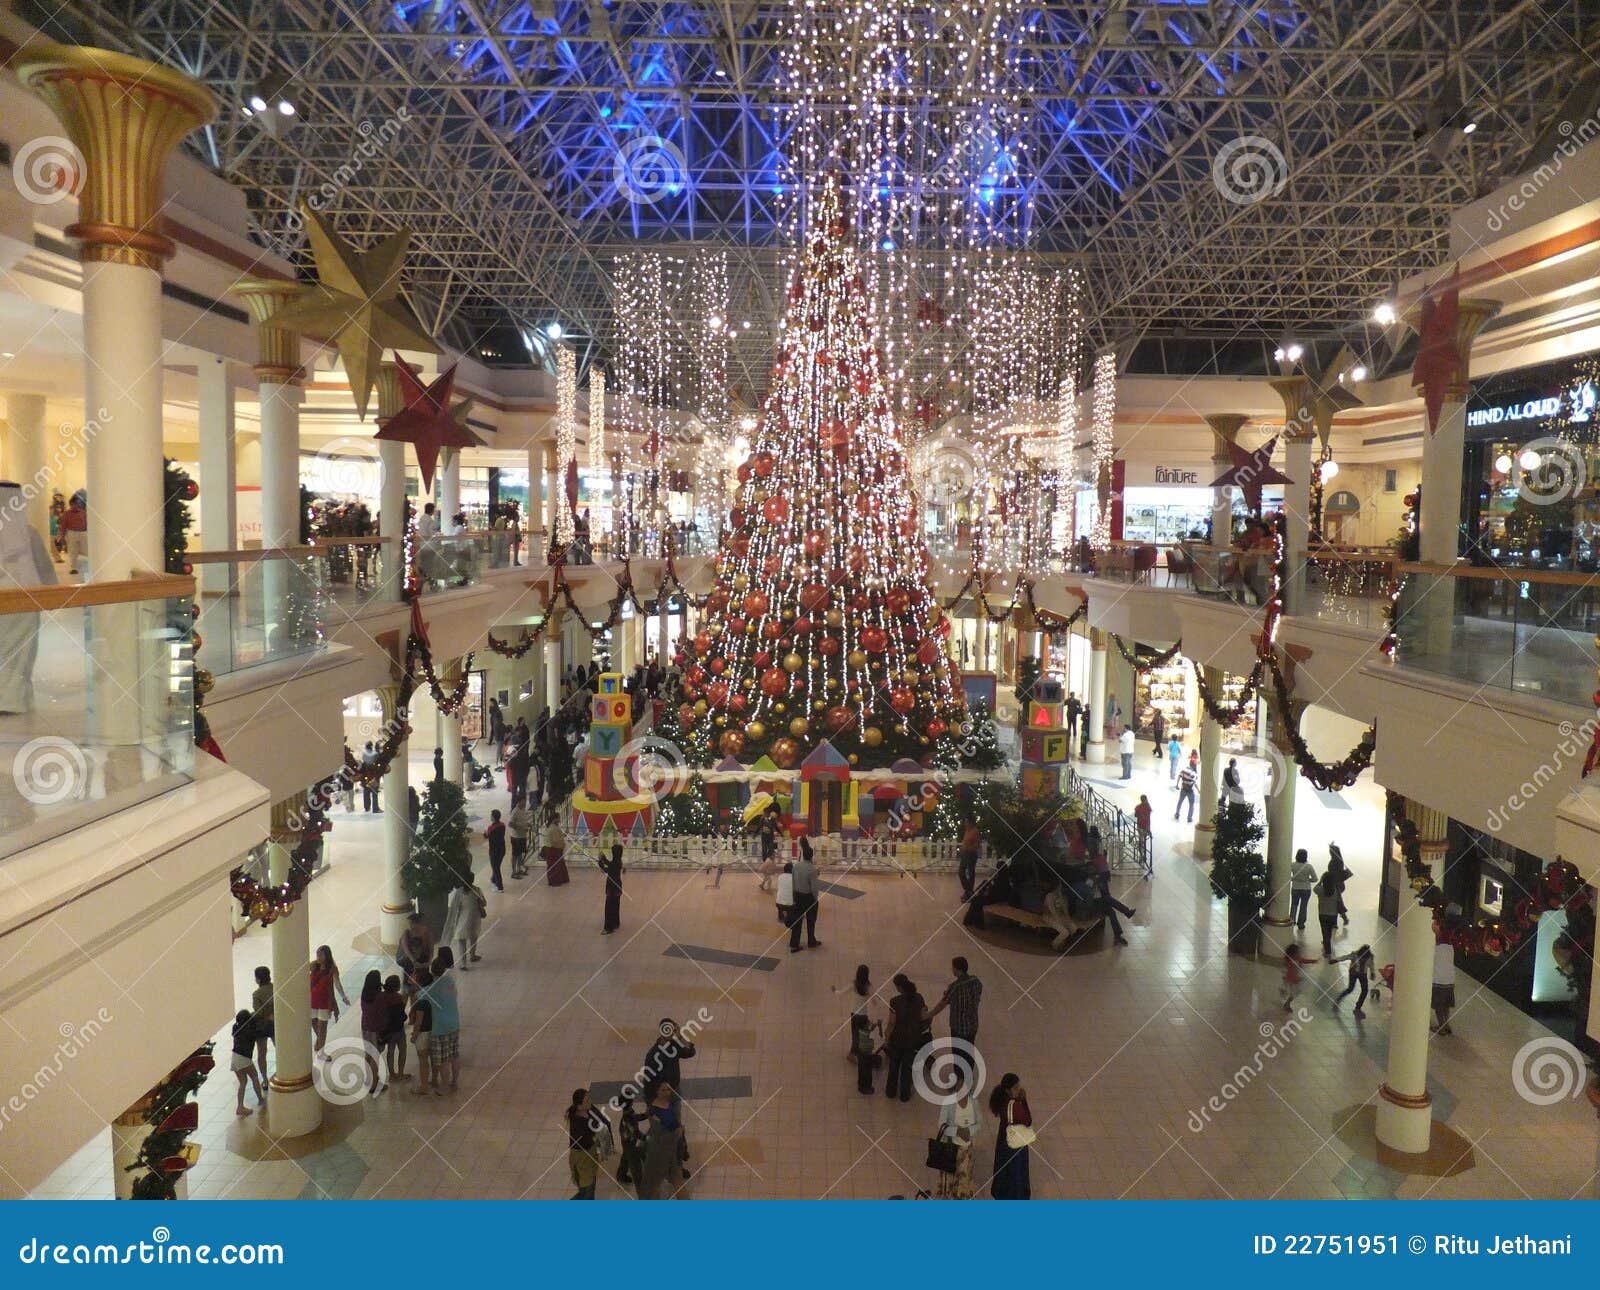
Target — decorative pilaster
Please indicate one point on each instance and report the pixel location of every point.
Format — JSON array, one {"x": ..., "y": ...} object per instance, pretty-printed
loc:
[
  {"x": 277, "y": 348},
  {"x": 125, "y": 116},
  {"x": 1097, "y": 696},
  {"x": 450, "y": 726},
  {"x": 1300, "y": 399},
  {"x": 396, "y": 823},
  {"x": 1280, "y": 818}
]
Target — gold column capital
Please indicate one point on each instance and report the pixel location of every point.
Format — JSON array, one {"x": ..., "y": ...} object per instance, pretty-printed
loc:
[
  {"x": 279, "y": 348},
  {"x": 289, "y": 819},
  {"x": 1225, "y": 427},
  {"x": 389, "y": 700},
  {"x": 390, "y": 396},
  {"x": 125, "y": 115},
  {"x": 1300, "y": 401}
]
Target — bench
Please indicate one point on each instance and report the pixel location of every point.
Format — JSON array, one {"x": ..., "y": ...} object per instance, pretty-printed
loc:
[
  {"x": 1021, "y": 917},
  {"x": 1064, "y": 939}
]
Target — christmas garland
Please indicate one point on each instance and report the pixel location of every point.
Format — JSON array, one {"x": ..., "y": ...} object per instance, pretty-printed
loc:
[
  {"x": 1328, "y": 777},
  {"x": 450, "y": 704},
  {"x": 530, "y": 638},
  {"x": 1226, "y": 717},
  {"x": 172, "y": 1117},
  {"x": 1560, "y": 886},
  {"x": 267, "y": 902},
  {"x": 1144, "y": 662}
]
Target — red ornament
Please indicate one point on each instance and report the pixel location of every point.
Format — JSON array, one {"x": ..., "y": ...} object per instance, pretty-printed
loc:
[
  {"x": 772, "y": 629},
  {"x": 801, "y": 626},
  {"x": 764, "y": 463},
  {"x": 743, "y": 473},
  {"x": 702, "y": 643},
  {"x": 901, "y": 699},
  {"x": 936, "y": 727},
  {"x": 697, "y": 674},
  {"x": 755, "y": 603},
  {"x": 829, "y": 646},
  {"x": 813, "y": 597},
  {"x": 927, "y": 653},
  {"x": 774, "y": 682},
  {"x": 737, "y": 704},
  {"x": 717, "y": 693},
  {"x": 837, "y": 717},
  {"x": 874, "y": 639},
  {"x": 731, "y": 743},
  {"x": 719, "y": 665},
  {"x": 686, "y": 715},
  {"x": 776, "y": 510},
  {"x": 772, "y": 566},
  {"x": 898, "y": 600},
  {"x": 736, "y": 625},
  {"x": 762, "y": 658},
  {"x": 814, "y": 543},
  {"x": 426, "y": 421},
  {"x": 785, "y": 752},
  {"x": 191, "y": 490}
]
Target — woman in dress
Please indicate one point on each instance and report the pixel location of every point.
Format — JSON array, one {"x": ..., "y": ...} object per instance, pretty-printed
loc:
[
  {"x": 1013, "y": 1132},
  {"x": 908, "y": 1025},
  {"x": 663, "y": 1148},
  {"x": 374, "y": 1029},
  {"x": 959, "y": 1122},
  {"x": 581, "y": 1162},
  {"x": 325, "y": 985}
]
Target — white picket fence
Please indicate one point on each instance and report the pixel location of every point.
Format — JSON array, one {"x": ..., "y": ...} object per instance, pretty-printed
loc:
[{"x": 871, "y": 855}]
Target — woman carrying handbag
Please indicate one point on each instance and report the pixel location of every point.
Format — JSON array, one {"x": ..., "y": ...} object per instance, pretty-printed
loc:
[
  {"x": 1014, "y": 1135},
  {"x": 958, "y": 1130}
]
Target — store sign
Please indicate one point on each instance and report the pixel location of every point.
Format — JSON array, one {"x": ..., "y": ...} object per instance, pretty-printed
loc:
[
  {"x": 1142, "y": 473},
  {"x": 1174, "y": 475},
  {"x": 1579, "y": 401}
]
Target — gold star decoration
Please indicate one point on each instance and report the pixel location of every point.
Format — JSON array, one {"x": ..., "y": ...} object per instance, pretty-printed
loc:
[
  {"x": 428, "y": 421},
  {"x": 356, "y": 304}
]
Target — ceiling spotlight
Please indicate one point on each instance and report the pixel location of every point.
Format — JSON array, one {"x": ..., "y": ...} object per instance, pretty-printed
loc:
[
  {"x": 1384, "y": 314},
  {"x": 6, "y": 354},
  {"x": 714, "y": 322},
  {"x": 1358, "y": 372},
  {"x": 257, "y": 103},
  {"x": 555, "y": 331},
  {"x": 1293, "y": 353},
  {"x": 1529, "y": 460},
  {"x": 1469, "y": 127}
]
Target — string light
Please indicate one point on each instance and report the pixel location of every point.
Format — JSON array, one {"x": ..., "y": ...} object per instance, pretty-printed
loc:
[
  {"x": 600, "y": 517},
  {"x": 566, "y": 438},
  {"x": 1103, "y": 440},
  {"x": 711, "y": 355}
]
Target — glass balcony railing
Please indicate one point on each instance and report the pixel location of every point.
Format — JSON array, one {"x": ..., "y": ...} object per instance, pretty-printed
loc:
[
  {"x": 359, "y": 571},
  {"x": 1526, "y": 630},
  {"x": 259, "y": 606},
  {"x": 96, "y": 702},
  {"x": 444, "y": 563},
  {"x": 1351, "y": 586}
]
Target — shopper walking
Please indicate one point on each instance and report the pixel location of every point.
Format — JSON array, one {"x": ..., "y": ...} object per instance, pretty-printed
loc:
[
  {"x": 519, "y": 827},
  {"x": 326, "y": 990},
  {"x": 1147, "y": 843},
  {"x": 1008, "y": 1103},
  {"x": 1360, "y": 976},
  {"x": 1125, "y": 748},
  {"x": 1302, "y": 879},
  {"x": 961, "y": 997},
  {"x": 1444, "y": 986},
  {"x": 959, "y": 1122},
  {"x": 1174, "y": 755},
  {"x": 1328, "y": 911},
  {"x": 908, "y": 1027},
  {"x": 261, "y": 1024},
  {"x": 581, "y": 1161},
  {"x": 495, "y": 836},
  {"x": 243, "y": 1062},
  {"x": 463, "y": 920},
  {"x": 1186, "y": 792}
]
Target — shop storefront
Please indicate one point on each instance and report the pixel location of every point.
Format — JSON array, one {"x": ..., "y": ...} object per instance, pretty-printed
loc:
[{"x": 1531, "y": 478}]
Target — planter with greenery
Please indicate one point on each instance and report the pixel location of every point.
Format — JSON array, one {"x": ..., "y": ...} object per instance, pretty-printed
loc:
[
  {"x": 1239, "y": 872},
  {"x": 440, "y": 859}
]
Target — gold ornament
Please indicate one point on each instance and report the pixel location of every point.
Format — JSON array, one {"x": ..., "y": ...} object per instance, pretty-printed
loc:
[
  {"x": 857, "y": 659},
  {"x": 756, "y": 730},
  {"x": 356, "y": 304},
  {"x": 872, "y": 736},
  {"x": 204, "y": 682},
  {"x": 699, "y": 707},
  {"x": 834, "y": 618},
  {"x": 799, "y": 726},
  {"x": 833, "y": 683},
  {"x": 792, "y": 662}
]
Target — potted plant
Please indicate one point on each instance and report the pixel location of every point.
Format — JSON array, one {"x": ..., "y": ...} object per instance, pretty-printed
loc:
[
  {"x": 440, "y": 859},
  {"x": 1239, "y": 872}
]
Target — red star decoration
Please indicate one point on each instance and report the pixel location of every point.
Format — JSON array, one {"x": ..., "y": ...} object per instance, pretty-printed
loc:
[
  {"x": 425, "y": 422},
  {"x": 1438, "y": 362},
  {"x": 1250, "y": 470}
]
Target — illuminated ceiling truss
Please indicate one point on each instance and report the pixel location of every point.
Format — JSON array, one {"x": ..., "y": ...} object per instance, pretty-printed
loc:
[{"x": 517, "y": 113}]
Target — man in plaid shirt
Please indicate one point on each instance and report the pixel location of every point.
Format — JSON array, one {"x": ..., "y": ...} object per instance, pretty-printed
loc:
[{"x": 961, "y": 997}]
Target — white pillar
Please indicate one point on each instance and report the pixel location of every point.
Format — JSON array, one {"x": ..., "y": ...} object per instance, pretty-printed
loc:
[
  {"x": 122, "y": 401},
  {"x": 219, "y": 526},
  {"x": 294, "y": 1107},
  {"x": 447, "y": 486},
  {"x": 1405, "y": 1120},
  {"x": 392, "y": 517},
  {"x": 552, "y": 664},
  {"x": 24, "y": 461},
  {"x": 1096, "y": 696},
  {"x": 1225, "y": 427},
  {"x": 1280, "y": 819},
  {"x": 553, "y": 488},
  {"x": 396, "y": 827},
  {"x": 1210, "y": 754}
]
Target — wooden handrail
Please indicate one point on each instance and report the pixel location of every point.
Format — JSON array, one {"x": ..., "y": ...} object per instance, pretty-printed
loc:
[
  {"x": 1548, "y": 577},
  {"x": 250, "y": 556},
  {"x": 321, "y": 543},
  {"x": 154, "y": 586}
]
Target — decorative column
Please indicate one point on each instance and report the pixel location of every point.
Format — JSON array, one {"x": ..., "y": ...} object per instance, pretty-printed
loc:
[
  {"x": 396, "y": 824},
  {"x": 24, "y": 462},
  {"x": 450, "y": 726},
  {"x": 1280, "y": 817},
  {"x": 219, "y": 476},
  {"x": 278, "y": 378},
  {"x": 553, "y": 488},
  {"x": 294, "y": 1107},
  {"x": 1225, "y": 427},
  {"x": 1096, "y": 696},
  {"x": 1299, "y": 429},
  {"x": 391, "y": 489},
  {"x": 1446, "y": 327},
  {"x": 552, "y": 661},
  {"x": 1405, "y": 1119},
  {"x": 1210, "y": 755},
  {"x": 125, "y": 115},
  {"x": 447, "y": 489}
]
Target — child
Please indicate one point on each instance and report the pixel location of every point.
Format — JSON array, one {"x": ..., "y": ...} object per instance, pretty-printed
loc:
[
  {"x": 864, "y": 1048},
  {"x": 1291, "y": 976},
  {"x": 785, "y": 895},
  {"x": 244, "y": 1059},
  {"x": 394, "y": 1034},
  {"x": 1360, "y": 961},
  {"x": 421, "y": 1028}
]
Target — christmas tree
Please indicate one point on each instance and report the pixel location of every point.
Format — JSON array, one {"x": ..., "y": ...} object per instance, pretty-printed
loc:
[
  {"x": 441, "y": 858},
  {"x": 821, "y": 624}
]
